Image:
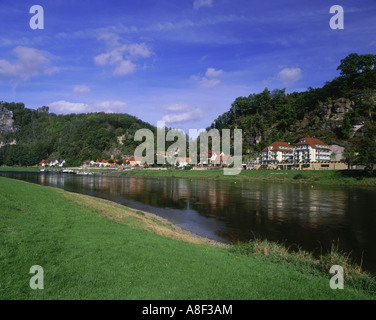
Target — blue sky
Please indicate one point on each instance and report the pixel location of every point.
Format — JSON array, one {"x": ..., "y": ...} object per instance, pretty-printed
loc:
[{"x": 183, "y": 62}]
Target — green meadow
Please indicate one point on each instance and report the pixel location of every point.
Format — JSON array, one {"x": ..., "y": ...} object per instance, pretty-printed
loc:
[{"x": 93, "y": 249}]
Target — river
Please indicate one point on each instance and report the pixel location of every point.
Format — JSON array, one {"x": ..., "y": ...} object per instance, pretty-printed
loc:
[{"x": 313, "y": 218}]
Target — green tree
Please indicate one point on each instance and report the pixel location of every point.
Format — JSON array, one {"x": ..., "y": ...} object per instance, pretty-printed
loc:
[
  {"x": 349, "y": 156},
  {"x": 346, "y": 127},
  {"x": 84, "y": 154},
  {"x": 355, "y": 63},
  {"x": 367, "y": 149}
]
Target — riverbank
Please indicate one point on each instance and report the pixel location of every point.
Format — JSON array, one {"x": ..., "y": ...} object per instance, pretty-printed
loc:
[
  {"x": 313, "y": 177},
  {"x": 37, "y": 169},
  {"x": 94, "y": 249}
]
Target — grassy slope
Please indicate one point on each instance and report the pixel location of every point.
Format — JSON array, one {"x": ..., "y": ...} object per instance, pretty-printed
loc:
[{"x": 86, "y": 255}]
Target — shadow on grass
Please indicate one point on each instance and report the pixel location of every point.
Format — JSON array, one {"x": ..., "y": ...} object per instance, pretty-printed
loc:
[
  {"x": 306, "y": 263},
  {"x": 357, "y": 174}
]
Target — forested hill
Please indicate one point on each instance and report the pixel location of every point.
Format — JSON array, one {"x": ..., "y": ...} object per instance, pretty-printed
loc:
[
  {"x": 27, "y": 136},
  {"x": 340, "y": 112}
]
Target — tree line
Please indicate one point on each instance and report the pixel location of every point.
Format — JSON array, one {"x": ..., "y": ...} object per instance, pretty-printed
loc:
[{"x": 73, "y": 137}]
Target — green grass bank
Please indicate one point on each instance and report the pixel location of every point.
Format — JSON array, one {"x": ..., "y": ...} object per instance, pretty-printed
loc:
[
  {"x": 93, "y": 249},
  {"x": 328, "y": 177}
]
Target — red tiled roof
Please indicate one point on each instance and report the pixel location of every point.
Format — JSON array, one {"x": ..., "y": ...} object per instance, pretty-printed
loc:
[
  {"x": 135, "y": 159},
  {"x": 313, "y": 142},
  {"x": 225, "y": 157},
  {"x": 277, "y": 146}
]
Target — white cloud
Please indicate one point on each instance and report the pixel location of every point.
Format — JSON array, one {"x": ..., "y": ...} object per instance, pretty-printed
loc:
[
  {"x": 181, "y": 112},
  {"x": 209, "y": 83},
  {"x": 65, "y": 107},
  {"x": 210, "y": 79},
  {"x": 79, "y": 89},
  {"x": 197, "y": 4},
  {"x": 30, "y": 63},
  {"x": 111, "y": 106},
  {"x": 175, "y": 107},
  {"x": 138, "y": 50},
  {"x": 213, "y": 73},
  {"x": 111, "y": 39},
  {"x": 289, "y": 75},
  {"x": 125, "y": 67},
  {"x": 181, "y": 117},
  {"x": 120, "y": 56}
]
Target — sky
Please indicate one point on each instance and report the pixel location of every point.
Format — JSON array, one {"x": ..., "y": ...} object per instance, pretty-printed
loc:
[{"x": 182, "y": 62}]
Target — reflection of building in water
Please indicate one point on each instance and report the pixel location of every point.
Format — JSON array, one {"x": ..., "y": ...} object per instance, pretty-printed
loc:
[
  {"x": 52, "y": 179},
  {"x": 179, "y": 189},
  {"x": 304, "y": 204},
  {"x": 213, "y": 194}
]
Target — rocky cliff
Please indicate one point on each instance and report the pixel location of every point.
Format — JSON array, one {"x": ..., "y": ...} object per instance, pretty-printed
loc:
[
  {"x": 7, "y": 127},
  {"x": 331, "y": 116}
]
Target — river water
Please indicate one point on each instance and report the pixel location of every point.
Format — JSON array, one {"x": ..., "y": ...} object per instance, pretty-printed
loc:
[{"x": 313, "y": 218}]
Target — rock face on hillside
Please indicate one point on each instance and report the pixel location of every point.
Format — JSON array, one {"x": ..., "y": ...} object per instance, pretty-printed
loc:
[
  {"x": 6, "y": 121},
  {"x": 330, "y": 117},
  {"x": 332, "y": 114},
  {"x": 7, "y": 127}
]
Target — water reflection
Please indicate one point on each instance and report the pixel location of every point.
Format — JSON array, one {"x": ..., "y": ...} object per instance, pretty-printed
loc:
[{"x": 309, "y": 216}]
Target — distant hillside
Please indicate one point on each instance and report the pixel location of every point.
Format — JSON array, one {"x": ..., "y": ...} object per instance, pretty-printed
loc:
[
  {"x": 27, "y": 136},
  {"x": 339, "y": 112},
  {"x": 342, "y": 112}
]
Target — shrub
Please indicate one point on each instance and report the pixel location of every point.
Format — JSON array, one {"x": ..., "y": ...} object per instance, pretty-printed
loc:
[{"x": 299, "y": 176}]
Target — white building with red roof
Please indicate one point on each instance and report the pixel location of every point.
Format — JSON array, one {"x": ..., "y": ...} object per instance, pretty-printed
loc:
[
  {"x": 312, "y": 150},
  {"x": 278, "y": 151}
]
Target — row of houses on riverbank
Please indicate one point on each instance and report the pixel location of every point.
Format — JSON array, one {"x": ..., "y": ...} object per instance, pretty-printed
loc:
[
  {"x": 53, "y": 163},
  {"x": 204, "y": 159},
  {"x": 307, "y": 154},
  {"x": 306, "y": 150}
]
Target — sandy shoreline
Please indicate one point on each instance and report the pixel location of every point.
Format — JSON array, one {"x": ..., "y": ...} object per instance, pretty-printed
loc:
[{"x": 180, "y": 233}]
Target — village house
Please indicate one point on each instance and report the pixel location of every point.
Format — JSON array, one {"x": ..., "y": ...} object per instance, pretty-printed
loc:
[
  {"x": 182, "y": 161},
  {"x": 306, "y": 150},
  {"x": 311, "y": 150},
  {"x": 101, "y": 163},
  {"x": 135, "y": 161},
  {"x": 216, "y": 157},
  {"x": 43, "y": 163},
  {"x": 205, "y": 158},
  {"x": 53, "y": 163},
  {"x": 219, "y": 158},
  {"x": 277, "y": 152},
  {"x": 89, "y": 163},
  {"x": 161, "y": 157},
  {"x": 226, "y": 159},
  {"x": 61, "y": 163}
]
